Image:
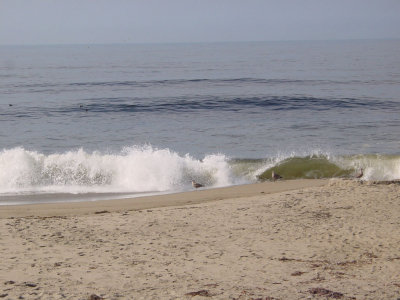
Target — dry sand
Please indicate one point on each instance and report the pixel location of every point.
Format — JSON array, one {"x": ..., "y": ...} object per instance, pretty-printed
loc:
[{"x": 337, "y": 239}]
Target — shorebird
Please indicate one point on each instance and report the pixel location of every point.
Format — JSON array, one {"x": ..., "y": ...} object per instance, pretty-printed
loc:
[
  {"x": 196, "y": 185},
  {"x": 275, "y": 176},
  {"x": 361, "y": 174}
]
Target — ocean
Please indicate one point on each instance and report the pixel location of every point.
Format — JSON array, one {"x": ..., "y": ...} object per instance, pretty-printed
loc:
[{"x": 91, "y": 122}]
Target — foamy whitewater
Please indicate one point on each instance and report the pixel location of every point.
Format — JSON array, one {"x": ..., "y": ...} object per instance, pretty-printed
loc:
[
  {"x": 133, "y": 170},
  {"x": 138, "y": 171},
  {"x": 99, "y": 122}
]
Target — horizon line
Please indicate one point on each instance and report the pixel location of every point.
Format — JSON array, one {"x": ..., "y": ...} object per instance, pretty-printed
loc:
[{"x": 199, "y": 42}]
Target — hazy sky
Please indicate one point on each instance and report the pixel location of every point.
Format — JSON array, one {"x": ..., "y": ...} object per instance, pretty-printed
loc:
[{"x": 143, "y": 21}]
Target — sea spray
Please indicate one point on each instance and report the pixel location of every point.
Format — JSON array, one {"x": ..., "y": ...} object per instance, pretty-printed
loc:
[
  {"x": 135, "y": 169},
  {"x": 375, "y": 166}
]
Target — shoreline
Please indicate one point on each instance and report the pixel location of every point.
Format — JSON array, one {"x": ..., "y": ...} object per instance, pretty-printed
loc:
[{"x": 155, "y": 201}]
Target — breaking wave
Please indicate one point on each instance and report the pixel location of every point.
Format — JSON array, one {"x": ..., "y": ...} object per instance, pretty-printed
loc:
[
  {"x": 145, "y": 169},
  {"x": 370, "y": 166},
  {"x": 133, "y": 170}
]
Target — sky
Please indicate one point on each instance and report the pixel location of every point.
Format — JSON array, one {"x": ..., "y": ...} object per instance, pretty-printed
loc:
[{"x": 30, "y": 22}]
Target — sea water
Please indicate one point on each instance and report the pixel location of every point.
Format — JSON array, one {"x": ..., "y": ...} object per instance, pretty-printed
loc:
[{"x": 101, "y": 121}]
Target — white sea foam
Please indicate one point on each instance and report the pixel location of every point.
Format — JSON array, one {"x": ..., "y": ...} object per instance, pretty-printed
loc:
[
  {"x": 135, "y": 169},
  {"x": 375, "y": 167}
]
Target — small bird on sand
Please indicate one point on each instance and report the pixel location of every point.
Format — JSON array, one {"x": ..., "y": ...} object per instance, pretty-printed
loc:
[
  {"x": 275, "y": 176},
  {"x": 361, "y": 174},
  {"x": 196, "y": 185}
]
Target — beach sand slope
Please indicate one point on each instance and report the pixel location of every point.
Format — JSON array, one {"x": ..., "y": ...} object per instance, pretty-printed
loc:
[{"x": 337, "y": 240}]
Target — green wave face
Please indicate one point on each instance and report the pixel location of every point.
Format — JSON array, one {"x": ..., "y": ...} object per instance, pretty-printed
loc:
[{"x": 307, "y": 167}]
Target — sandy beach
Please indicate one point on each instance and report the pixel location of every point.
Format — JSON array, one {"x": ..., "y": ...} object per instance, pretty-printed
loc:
[{"x": 301, "y": 239}]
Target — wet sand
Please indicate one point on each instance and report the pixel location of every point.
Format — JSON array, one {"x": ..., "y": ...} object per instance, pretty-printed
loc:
[{"x": 316, "y": 239}]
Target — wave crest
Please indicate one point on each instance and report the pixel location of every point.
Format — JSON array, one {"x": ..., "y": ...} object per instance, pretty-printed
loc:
[{"x": 134, "y": 169}]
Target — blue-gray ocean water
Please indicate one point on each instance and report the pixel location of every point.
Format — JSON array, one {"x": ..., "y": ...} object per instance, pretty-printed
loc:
[{"x": 91, "y": 119}]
